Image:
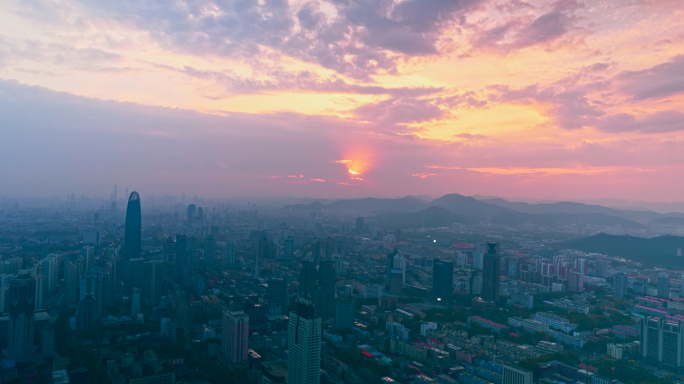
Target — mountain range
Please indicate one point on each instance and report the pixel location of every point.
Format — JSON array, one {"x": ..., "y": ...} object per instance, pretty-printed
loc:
[{"x": 415, "y": 212}]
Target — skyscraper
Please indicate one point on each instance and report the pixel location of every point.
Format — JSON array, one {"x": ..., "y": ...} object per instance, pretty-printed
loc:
[
  {"x": 133, "y": 230},
  {"x": 442, "y": 279},
  {"x": 326, "y": 282},
  {"x": 661, "y": 343},
  {"x": 93, "y": 283},
  {"x": 191, "y": 213},
  {"x": 620, "y": 283},
  {"x": 360, "y": 227},
  {"x": 490, "y": 273},
  {"x": 182, "y": 263},
  {"x": 277, "y": 294},
  {"x": 389, "y": 265},
  {"x": 307, "y": 279},
  {"x": 21, "y": 316},
  {"x": 235, "y": 339},
  {"x": 209, "y": 251},
  {"x": 153, "y": 282},
  {"x": 72, "y": 281},
  {"x": 329, "y": 248},
  {"x": 664, "y": 285},
  {"x": 304, "y": 345}
]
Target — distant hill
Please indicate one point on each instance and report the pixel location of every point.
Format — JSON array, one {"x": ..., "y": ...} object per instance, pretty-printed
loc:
[
  {"x": 658, "y": 251},
  {"x": 559, "y": 219},
  {"x": 432, "y": 217},
  {"x": 668, "y": 220},
  {"x": 404, "y": 204},
  {"x": 573, "y": 208},
  {"x": 467, "y": 205}
]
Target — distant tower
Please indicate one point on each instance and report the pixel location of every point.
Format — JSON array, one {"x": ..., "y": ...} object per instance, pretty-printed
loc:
[
  {"x": 21, "y": 316},
  {"x": 277, "y": 294},
  {"x": 491, "y": 264},
  {"x": 304, "y": 345},
  {"x": 191, "y": 213},
  {"x": 289, "y": 249},
  {"x": 326, "y": 282},
  {"x": 133, "y": 230},
  {"x": 664, "y": 285},
  {"x": 620, "y": 283},
  {"x": 359, "y": 226},
  {"x": 170, "y": 249},
  {"x": 230, "y": 253}
]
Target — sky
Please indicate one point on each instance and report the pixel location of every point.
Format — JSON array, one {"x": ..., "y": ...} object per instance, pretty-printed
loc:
[{"x": 563, "y": 99}]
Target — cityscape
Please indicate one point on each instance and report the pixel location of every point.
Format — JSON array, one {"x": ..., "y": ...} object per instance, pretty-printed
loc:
[
  {"x": 341, "y": 192},
  {"x": 176, "y": 289}
]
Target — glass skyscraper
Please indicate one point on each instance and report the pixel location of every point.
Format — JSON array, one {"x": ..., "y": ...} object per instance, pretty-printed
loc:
[{"x": 133, "y": 230}]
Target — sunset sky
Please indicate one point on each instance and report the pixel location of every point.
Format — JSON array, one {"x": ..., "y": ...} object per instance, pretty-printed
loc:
[{"x": 562, "y": 99}]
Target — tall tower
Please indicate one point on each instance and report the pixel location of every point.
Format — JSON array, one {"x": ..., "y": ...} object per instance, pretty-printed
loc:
[
  {"x": 664, "y": 285},
  {"x": 170, "y": 249},
  {"x": 277, "y": 294},
  {"x": 133, "y": 231},
  {"x": 304, "y": 345},
  {"x": 620, "y": 283},
  {"x": 490, "y": 273},
  {"x": 21, "y": 316},
  {"x": 360, "y": 226},
  {"x": 153, "y": 281},
  {"x": 234, "y": 344},
  {"x": 191, "y": 214}
]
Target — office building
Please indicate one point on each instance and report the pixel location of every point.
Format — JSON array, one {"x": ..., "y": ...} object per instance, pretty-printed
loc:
[
  {"x": 136, "y": 306},
  {"x": 344, "y": 313},
  {"x": 235, "y": 338},
  {"x": 474, "y": 282},
  {"x": 168, "y": 329},
  {"x": 91, "y": 237},
  {"x": 209, "y": 251},
  {"x": 182, "y": 262},
  {"x": 307, "y": 279},
  {"x": 72, "y": 281},
  {"x": 133, "y": 229},
  {"x": 277, "y": 294},
  {"x": 515, "y": 375},
  {"x": 304, "y": 345},
  {"x": 664, "y": 285},
  {"x": 21, "y": 316},
  {"x": 491, "y": 265},
  {"x": 442, "y": 280},
  {"x": 88, "y": 254},
  {"x": 620, "y": 283},
  {"x": 316, "y": 250}
]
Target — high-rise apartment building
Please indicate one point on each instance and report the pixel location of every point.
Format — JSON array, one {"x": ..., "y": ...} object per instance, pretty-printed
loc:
[
  {"x": 234, "y": 343},
  {"x": 304, "y": 345},
  {"x": 87, "y": 316},
  {"x": 170, "y": 249},
  {"x": 289, "y": 249},
  {"x": 153, "y": 282},
  {"x": 133, "y": 229},
  {"x": 396, "y": 283},
  {"x": 664, "y": 285},
  {"x": 601, "y": 268},
  {"x": 575, "y": 281},
  {"x": 21, "y": 316},
  {"x": 620, "y": 283},
  {"x": 491, "y": 265},
  {"x": 192, "y": 208},
  {"x": 442, "y": 279},
  {"x": 662, "y": 343}
]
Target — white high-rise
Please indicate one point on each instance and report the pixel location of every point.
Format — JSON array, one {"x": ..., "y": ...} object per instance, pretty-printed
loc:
[{"x": 304, "y": 345}]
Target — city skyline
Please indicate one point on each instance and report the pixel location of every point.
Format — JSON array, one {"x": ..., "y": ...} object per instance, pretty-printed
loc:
[{"x": 333, "y": 99}]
